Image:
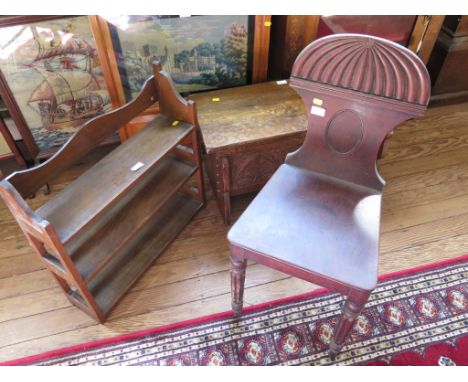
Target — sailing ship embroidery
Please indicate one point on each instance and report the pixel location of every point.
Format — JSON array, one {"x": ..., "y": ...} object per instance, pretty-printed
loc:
[{"x": 70, "y": 91}]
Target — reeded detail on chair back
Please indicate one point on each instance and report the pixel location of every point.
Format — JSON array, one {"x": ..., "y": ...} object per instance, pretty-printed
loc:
[
  {"x": 356, "y": 89},
  {"x": 365, "y": 64}
]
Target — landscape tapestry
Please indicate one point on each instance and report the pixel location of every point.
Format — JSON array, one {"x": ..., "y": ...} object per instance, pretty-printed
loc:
[{"x": 200, "y": 52}]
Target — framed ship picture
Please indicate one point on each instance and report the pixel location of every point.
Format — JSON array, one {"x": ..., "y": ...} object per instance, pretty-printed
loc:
[
  {"x": 200, "y": 52},
  {"x": 52, "y": 77}
]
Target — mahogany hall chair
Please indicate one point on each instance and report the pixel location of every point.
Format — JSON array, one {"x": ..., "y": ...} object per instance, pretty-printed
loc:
[{"x": 318, "y": 217}]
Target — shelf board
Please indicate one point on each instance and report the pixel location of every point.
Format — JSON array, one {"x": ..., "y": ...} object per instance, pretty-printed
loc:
[
  {"x": 138, "y": 254},
  {"x": 90, "y": 196},
  {"x": 91, "y": 252}
]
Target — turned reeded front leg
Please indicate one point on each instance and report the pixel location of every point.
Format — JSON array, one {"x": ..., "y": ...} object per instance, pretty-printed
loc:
[
  {"x": 237, "y": 284},
  {"x": 351, "y": 311}
]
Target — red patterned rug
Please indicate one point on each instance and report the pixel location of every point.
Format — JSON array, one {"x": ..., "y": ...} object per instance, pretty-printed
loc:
[{"x": 415, "y": 317}]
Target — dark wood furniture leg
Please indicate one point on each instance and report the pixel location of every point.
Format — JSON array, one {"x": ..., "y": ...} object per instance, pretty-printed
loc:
[
  {"x": 351, "y": 311},
  {"x": 196, "y": 143},
  {"x": 238, "y": 267},
  {"x": 12, "y": 144},
  {"x": 218, "y": 170},
  {"x": 226, "y": 202}
]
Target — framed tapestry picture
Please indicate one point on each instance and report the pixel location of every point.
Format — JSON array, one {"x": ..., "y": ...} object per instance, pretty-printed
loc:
[
  {"x": 51, "y": 77},
  {"x": 200, "y": 52}
]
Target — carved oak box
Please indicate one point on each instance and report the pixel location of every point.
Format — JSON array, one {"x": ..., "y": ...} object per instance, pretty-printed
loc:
[{"x": 247, "y": 132}]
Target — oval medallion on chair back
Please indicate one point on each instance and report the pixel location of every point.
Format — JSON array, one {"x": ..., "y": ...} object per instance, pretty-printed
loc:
[{"x": 356, "y": 89}]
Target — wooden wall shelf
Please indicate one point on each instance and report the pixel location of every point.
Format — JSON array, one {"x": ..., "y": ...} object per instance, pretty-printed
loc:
[{"x": 100, "y": 233}]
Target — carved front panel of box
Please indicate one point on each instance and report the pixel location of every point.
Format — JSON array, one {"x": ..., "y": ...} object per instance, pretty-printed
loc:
[{"x": 250, "y": 171}]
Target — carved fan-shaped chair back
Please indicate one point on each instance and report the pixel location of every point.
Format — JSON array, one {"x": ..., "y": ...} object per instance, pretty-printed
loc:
[
  {"x": 356, "y": 89},
  {"x": 318, "y": 217}
]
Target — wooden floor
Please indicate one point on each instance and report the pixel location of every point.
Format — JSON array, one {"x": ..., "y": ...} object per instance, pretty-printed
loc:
[{"x": 425, "y": 219}]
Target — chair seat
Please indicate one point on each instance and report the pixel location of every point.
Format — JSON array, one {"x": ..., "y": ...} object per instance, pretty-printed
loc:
[{"x": 314, "y": 222}]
